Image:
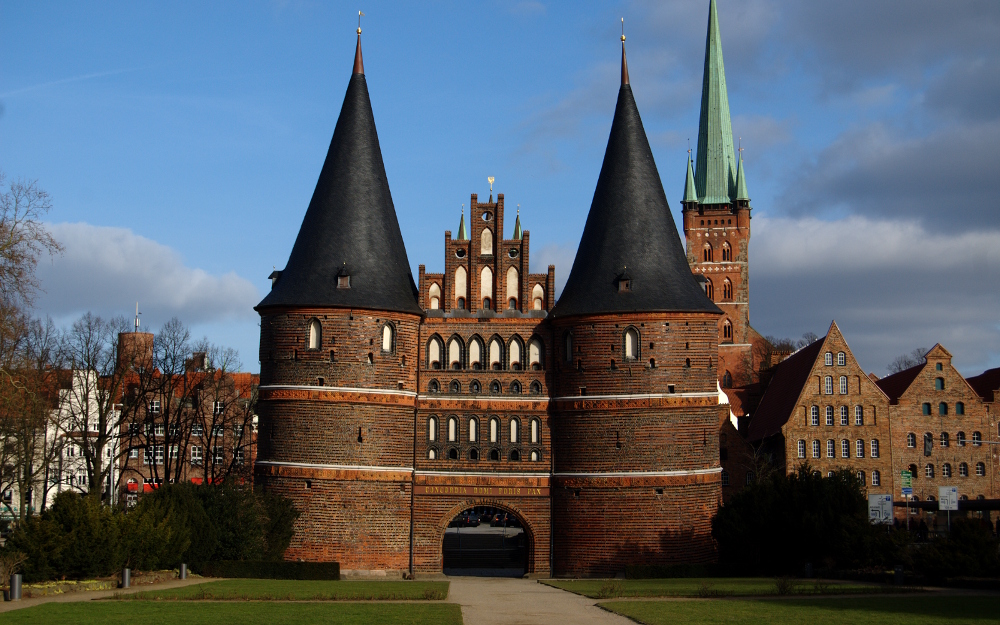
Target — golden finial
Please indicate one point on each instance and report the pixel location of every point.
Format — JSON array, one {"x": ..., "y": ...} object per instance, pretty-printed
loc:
[
  {"x": 518, "y": 209},
  {"x": 360, "y": 14},
  {"x": 490, "y": 178},
  {"x": 623, "y": 30}
]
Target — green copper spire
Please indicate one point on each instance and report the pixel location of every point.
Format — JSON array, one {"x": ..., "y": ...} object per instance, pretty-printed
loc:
[
  {"x": 741, "y": 182},
  {"x": 690, "y": 195},
  {"x": 462, "y": 234},
  {"x": 517, "y": 225},
  {"x": 714, "y": 175}
]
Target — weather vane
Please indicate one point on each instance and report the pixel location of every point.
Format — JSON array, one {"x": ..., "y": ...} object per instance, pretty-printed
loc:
[
  {"x": 623, "y": 30},
  {"x": 490, "y": 178},
  {"x": 360, "y": 14}
]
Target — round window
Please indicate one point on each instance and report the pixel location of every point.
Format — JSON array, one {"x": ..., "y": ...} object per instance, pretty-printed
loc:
[
  {"x": 512, "y": 252},
  {"x": 487, "y": 215},
  {"x": 460, "y": 253}
]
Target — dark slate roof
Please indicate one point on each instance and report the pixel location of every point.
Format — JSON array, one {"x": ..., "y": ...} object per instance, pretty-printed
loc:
[
  {"x": 987, "y": 384},
  {"x": 896, "y": 384},
  {"x": 350, "y": 221},
  {"x": 790, "y": 376},
  {"x": 630, "y": 226}
]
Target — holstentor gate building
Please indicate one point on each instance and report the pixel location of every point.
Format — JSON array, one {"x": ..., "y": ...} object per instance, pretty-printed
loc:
[{"x": 388, "y": 406}]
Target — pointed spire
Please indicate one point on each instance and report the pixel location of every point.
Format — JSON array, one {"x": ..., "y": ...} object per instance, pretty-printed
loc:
[
  {"x": 359, "y": 65},
  {"x": 517, "y": 225},
  {"x": 690, "y": 195},
  {"x": 630, "y": 225},
  {"x": 715, "y": 177},
  {"x": 349, "y": 252},
  {"x": 463, "y": 235},
  {"x": 741, "y": 183},
  {"x": 624, "y": 61}
]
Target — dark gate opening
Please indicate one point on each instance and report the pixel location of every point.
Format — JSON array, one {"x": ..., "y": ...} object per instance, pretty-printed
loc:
[{"x": 487, "y": 542}]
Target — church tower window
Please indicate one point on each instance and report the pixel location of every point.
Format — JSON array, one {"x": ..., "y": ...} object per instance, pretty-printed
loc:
[{"x": 315, "y": 334}]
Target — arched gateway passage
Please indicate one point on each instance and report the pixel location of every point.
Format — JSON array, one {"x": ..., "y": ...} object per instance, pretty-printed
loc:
[{"x": 487, "y": 540}]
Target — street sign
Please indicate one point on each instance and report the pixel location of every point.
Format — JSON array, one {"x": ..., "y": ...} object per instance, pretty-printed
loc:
[
  {"x": 907, "y": 492},
  {"x": 947, "y": 498},
  {"x": 907, "y": 480},
  {"x": 880, "y": 509}
]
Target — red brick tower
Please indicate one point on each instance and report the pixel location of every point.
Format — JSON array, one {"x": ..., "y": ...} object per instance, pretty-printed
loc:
[
  {"x": 636, "y": 475},
  {"x": 717, "y": 219},
  {"x": 338, "y": 352}
]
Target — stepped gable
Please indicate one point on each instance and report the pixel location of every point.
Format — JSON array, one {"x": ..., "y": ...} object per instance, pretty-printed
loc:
[
  {"x": 630, "y": 233},
  {"x": 350, "y": 227}
]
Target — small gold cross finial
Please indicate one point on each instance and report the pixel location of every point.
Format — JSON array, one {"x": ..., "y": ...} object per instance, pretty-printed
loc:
[
  {"x": 623, "y": 30},
  {"x": 360, "y": 14},
  {"x": 490, "y": 178}
]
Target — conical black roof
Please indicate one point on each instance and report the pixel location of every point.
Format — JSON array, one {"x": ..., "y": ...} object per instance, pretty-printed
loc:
[
  {"x": 350, "y": 226},
  {"x": 630, "y": 235}
]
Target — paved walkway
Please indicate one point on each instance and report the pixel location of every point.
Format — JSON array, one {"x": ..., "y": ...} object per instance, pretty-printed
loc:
[
  {"x": 87, "y": 595},
  {"x": 500, "y": 601}
]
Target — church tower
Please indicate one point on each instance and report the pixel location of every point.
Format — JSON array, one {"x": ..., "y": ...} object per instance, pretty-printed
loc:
[
  {"x": 716, "y": 210},
  {"x": 634, "y": 408},
  {"x": 338, "y": 351}
]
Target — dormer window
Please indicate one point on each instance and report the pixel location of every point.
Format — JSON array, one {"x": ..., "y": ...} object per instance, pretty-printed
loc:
[
  {"x": 344, "y": 278},
  {"x": 274, "y": 277},
  {"x": 624, "y": 282}
]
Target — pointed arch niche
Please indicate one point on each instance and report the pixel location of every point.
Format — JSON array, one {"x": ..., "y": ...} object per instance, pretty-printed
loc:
[
  {"x": 486, "y": 287},
  {"x": 461, "y": 287}
]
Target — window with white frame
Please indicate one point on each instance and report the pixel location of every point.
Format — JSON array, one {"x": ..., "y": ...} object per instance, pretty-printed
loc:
[
  {"x": 218, "y": 430},
  {"x": 238, "y": 456},
  {"x": 828, "y": 385},
  {"x": 814, "y": 415},
  {"x": 197, "y": 429},
  {"x": 725, "y": 478},
  {"x": 133, "y": 453},
  {"x": 218, "y": 407},
  {"x": 876, "y": 478},
  {"x": 218, "y": 454},
  {"x": 859, "y": 448},
  {"x": 843, "y": 385},
  {"x": 841, "y": 359},
  {"x": 831, "y": 448},
  {"x": 159, "y": 429},
  {"x": 874, "y": 446},
  {"x": 802, "y": 449},
  {"x": 963, "y": 470},
  {"x": 815, "y": 449},
  {"x": 154, "y": 406},
  {"x": 749, "y": 478},
  {"x": 238, "y": 430},
  {"x": 859, "y": 415},
  {"x": 911, "y": 440},
  {"x": 980, "y": 469},
  {"x": 845, "y": 448},
  {"x": 960, "y": 439},
  {"x": 828, "y": 359},
  {"x": 829, "y": 415},
  {"x": 977, "y": 439},
  {"x": 843, "y": 415},
  {"x": 196, "y": 455},
  {"x": 946, "y": 470},
  {"x": 929, "y": 470},
  {"x": 945, "y": 440},
  {"x": 174, "y": 452}
]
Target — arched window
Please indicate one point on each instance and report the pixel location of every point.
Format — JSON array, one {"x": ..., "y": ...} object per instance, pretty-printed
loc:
[
  {"x": 913, "y": 472},
  {"x": 455, "y": 387},
  {"x": 494, "y": 430},
  {"x": 476, "y": 353},
  {"x": 706, "y": 254},
  {"x": 536, "y": 354},
  {"x": 845, "y": 448},
  {"x": 815, "y": 449},
  {"x": 843, "y": 415},
  {"x": 461, "y": 287},
  {"x": 495, "y": 387},
  {"x": 977, "y": 439},
  {"x": 434, "y": 349},
  {"x": 631, "y": 344},
  {"x": 432, "y": 428},
  {"x": 452, "y": 429},
  {"x": 874, "y": 448},
  {"x": 536, "y": 388},
  {"x": 829, "y": 415},
  {"x": 515, "y": 431},
  {"x": 388, "y": 338},
  {"x": 514, "y": 353},
  {"x": 843, "y": 385},
  {"x": 455, "y": 353},
  {"x": 943, "y": 409},
  {"x": 432, "y": 454},
  {"x": 453, "y": 454},
  {"x": 963, "y": 470},
  {"x": 515, "y": 388},
  {"x": 859, "y": 415},
  {"x": 928, "y": 443},
  {"x": 535, "y": 456},
  {"x": 831, "y": 448},
  {"x": 496, "y": 354},
  {"x": 434, "y": 293},
  {"x": 841, "y": 358},
  {"x": 911, "y": 440},
  {"x": 727, "y": 289},
  {"x": 434, "y": 386},
  {"x": 473, "y": 430},
  {"x": 513, "y": 288},
  {"x": 535, "y": 431},
  {"x": 473, "y": 454},
  {"x": 495, "y": 454},
  {"x": 960, "y": 439},
  {"x": 828, "y": 385},
  {"x": 802, "y": 448},
  {"x": 537, "y": 297},
  {"x": 727, "y": 330},
  {"x": 944, "y": 439},
  {"x": 980, "y": 469},
  {"x": 474, "y": 387},
  {"x": 828, "y": 359},
  {"x": 315, "y": 334},
  {"x": 859, "y": 448},
  {"x": 515, "y": 455},
  {"x": 946, "y": 470},
  {"x": 929, "y": 470},
  {"x": 727, "y": 380},
  {"x": 926, "y": 408},
  {"x": 709, "y": 288},
  {"x": 959, "y": 408},
  {"x": 814, "y": 415},
  {"x": 939, "y": 384},
  {"x": 876, "y": 478},
  {"x": 486, "y": 288},
  {"x": 568, "y": 346},
  {"x": 727, "y": 252},
  {"x": 486, "y": 242}
]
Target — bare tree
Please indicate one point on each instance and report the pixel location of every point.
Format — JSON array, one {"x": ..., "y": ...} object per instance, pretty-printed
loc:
[
  {"x": 23, "y": 238},
  {"x": 910, "y": 359}
]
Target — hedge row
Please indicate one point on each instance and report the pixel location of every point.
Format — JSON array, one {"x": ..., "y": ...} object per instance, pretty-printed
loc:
[{"x": 263, "y": 569}]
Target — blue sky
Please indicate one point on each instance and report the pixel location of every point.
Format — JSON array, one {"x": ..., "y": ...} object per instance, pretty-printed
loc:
[{"x": 181, "y": 143}]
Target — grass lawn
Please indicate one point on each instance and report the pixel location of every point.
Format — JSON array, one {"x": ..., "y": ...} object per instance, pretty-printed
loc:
[
  {"x": 159, "y": 613},
  {"x": 297, "y": 590},
  {"x": 912, "y": 610},
  {"x": 706, "y": 587}
]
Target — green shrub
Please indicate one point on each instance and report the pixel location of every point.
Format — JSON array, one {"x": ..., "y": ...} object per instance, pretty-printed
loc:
[{"x": 265, "y": 569}]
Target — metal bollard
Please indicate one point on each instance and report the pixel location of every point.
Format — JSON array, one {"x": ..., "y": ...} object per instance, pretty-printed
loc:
[
  {"x": 183, "y": 574},
  {"x": 897, "y": 576},
  {"x": 126, "y": 578},
  {"x": 15, "y": 587}
]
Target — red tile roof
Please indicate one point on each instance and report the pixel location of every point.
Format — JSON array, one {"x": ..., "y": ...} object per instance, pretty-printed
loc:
[
  {"x": 783, "y": 392},
  {"x": 896, "y": 384},
  {"x": 986, "y": 384}
]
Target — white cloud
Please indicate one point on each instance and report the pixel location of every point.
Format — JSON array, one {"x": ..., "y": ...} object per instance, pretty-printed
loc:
[{"x": 107, "y": 270}]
